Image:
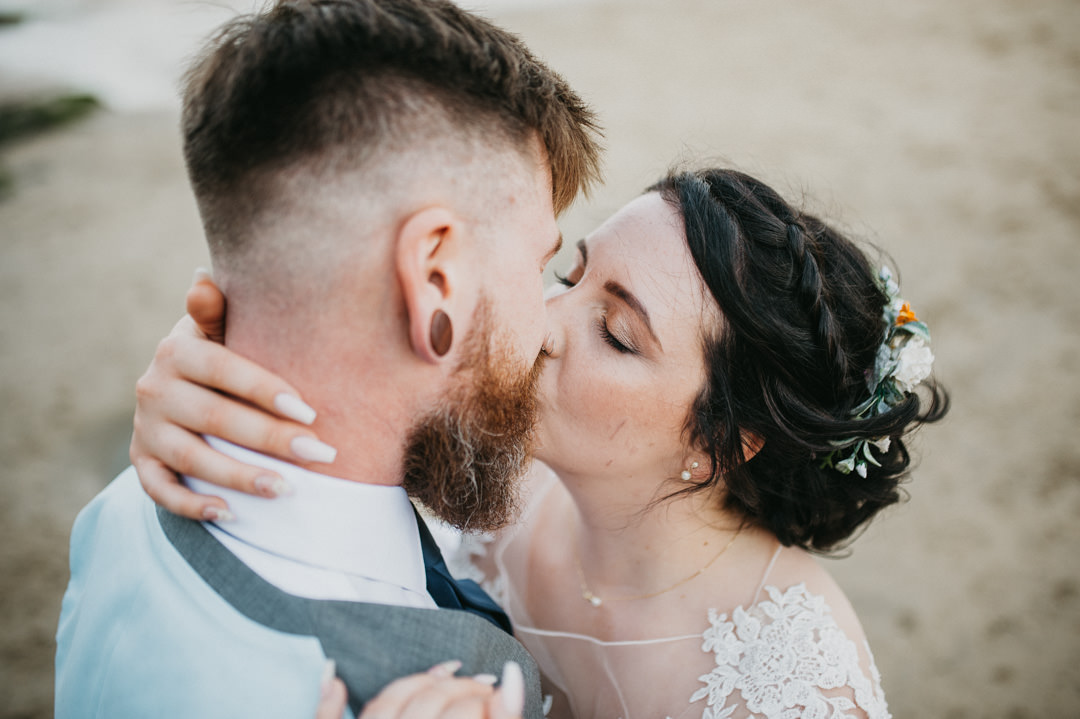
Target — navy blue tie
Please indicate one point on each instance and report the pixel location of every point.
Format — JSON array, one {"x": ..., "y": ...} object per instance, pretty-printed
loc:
[{"x": 449, "y": 593}]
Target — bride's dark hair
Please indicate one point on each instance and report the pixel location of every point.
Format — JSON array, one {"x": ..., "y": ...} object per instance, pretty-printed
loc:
[{"x": 801, "y": 323}]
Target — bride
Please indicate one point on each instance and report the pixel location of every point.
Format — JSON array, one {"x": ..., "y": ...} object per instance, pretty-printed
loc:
[{"x": 727, "y": 390}]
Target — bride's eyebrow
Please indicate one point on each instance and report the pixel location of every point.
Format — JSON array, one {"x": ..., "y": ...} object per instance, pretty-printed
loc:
[
  {"x": 584, "y": 251},
  {"x": 634, "y": 304}
]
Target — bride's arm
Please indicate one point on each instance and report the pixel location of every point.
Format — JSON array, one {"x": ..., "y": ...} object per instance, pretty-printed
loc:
[{"x": 196, "y": 386}]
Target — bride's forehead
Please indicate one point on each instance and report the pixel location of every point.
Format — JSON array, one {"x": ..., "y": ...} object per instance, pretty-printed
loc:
[
  {"x": 649, "y": 209},
  {"x": 646, "y": 230},
  {"x": 642, "y": 246}
]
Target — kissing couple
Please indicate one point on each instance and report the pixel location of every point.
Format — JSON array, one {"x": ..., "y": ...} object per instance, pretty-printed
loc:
[{"x": 719, "y": 386}]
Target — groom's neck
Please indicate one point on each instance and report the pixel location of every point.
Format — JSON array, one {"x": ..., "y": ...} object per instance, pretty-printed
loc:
[
  {"x": 363, "y": 421},
  {"x": 366, "y": 401}
]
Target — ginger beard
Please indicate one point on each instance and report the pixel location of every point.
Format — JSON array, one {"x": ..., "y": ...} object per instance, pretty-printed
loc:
[{"x": 463, "y": 461}]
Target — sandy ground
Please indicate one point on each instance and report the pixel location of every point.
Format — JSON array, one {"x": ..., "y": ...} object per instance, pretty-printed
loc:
[{"x": 944, "y": 131}]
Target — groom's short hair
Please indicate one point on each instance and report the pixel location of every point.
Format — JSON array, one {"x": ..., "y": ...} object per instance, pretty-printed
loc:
[{"x": 332, "y": 83}]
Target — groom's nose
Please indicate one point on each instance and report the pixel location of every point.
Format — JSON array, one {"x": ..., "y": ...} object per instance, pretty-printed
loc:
[
  {"x": 548, "y": 347},
  {"x": 557, "y": 316}
]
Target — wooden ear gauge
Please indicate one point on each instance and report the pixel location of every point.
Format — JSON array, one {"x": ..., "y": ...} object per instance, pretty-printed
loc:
[{"x": 442, "y": 333}]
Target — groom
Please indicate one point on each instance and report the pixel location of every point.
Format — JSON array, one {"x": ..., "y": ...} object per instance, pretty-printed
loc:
[{"x": 378, "y": 181}]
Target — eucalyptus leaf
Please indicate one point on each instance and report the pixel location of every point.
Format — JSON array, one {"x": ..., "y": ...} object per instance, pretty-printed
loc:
[{"x": 869, "y": 456}]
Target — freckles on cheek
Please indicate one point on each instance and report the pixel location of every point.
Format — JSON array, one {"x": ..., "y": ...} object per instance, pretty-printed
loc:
[
  {"x": 615, "y": 433},
  {"x": 618, "y": 428}
]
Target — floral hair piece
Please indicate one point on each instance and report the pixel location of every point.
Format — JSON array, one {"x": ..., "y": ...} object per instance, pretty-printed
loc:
[{"x": 903, "y": 361}]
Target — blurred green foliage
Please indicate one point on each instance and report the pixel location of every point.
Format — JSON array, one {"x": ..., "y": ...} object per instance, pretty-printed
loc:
[
  {"x": 20, "y": 119},
  {"x": 23, "y": 119}
]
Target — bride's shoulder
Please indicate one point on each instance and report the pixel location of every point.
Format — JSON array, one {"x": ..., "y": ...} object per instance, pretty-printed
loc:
[
  {"x": 799, "y": 619},
  {"x": 799, "y": 577}
]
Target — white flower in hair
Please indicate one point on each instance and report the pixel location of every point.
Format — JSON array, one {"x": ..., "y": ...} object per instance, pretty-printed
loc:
[
  {"x": 888, "y": 283},
  {"x": 913, "y": 365},
  {"x": 903, "y": 361},
  {"x": 882, "y": 444}
]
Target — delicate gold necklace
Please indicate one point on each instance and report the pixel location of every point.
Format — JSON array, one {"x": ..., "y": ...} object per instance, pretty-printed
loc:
[{"x": 596, "y": 601}]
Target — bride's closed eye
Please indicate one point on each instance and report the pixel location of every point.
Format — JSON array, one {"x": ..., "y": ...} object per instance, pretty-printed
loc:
[
  {"x": 618, "y": 340},
  {"x": 615, "y": 343}
]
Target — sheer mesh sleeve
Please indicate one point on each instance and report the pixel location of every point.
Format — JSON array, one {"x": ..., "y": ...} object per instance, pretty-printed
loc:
[{"x": 781, "y": 654}]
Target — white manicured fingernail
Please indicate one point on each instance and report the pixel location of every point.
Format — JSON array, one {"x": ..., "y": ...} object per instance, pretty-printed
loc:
[
  {"x": 488, "y": 679},
  {"x": 294, "y": 408},
  {"x": 217, "y": 514},
  {"x": 446, "y": 669},
  {"x": 312, "y": 450},
  {"x": 329, "y": 671},
  {"x": 201, "y": 273},
  {"x": 513, "y": 688},
  {"x": 270, "y": 486}
]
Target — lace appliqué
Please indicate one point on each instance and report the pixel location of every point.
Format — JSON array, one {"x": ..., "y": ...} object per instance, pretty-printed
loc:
[
  {"x": 784, "y": 658},
  {"x": 468, "y": 560}
]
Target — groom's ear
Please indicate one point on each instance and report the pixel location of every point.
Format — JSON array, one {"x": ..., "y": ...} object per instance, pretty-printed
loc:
[{"x": 429, "y": 260}]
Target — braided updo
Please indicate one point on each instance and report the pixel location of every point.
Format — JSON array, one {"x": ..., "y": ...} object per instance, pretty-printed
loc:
[{"x": 801, "y": 325}]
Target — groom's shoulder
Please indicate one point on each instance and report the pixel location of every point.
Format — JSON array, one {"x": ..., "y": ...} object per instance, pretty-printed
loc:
[
  {"x": 122, "y": 503},
  {"x": 118, "y": 535},
  {"x": 123, "y": 489}
]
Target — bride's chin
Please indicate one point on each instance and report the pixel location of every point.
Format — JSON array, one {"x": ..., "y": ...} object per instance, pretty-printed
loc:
[
  {"x": 545, "y": 436},
  {"x": 540, "y": 439}
]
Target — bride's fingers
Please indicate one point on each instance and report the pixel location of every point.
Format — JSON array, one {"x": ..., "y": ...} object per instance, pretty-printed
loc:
[
  {"x": 165, "y": 489},
  {"x": 332, "y": 695},
  {"x": 215, "y": 366},
  {"x": 423, "y": 695},
  {"x": 204, "y": 411},
  {"x": 188, "y": 453},
  {"x": 509, "y": 701}
]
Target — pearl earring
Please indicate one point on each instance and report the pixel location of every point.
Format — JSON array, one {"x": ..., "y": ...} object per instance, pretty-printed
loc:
[{"x": 685, "y": 476}]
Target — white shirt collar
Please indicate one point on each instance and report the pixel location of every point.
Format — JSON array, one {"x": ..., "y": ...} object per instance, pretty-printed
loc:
[{"x": 340, "y": 525}]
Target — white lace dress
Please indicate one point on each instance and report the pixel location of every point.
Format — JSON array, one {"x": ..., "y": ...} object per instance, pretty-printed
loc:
[{"x": 781, "y": 655}]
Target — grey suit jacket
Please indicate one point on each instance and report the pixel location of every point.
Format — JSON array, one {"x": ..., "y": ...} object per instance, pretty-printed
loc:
[{"x": 372, "y": 644}]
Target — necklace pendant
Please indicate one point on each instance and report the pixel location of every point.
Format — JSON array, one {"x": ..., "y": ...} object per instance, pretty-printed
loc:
[{"x": 592, "y": 599}]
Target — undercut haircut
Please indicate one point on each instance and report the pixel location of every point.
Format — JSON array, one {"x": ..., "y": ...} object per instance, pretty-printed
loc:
[{"x": 330, "y": 84}]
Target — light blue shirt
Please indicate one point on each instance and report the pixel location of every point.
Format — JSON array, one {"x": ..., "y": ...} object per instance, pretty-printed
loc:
[{"x": 142, "y": 635}]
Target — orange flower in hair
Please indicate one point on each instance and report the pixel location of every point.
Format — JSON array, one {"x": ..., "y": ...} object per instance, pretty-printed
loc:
[{"x": 905, "y": 315}]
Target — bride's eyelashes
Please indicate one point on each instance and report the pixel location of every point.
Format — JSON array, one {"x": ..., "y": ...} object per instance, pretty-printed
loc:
[
  {"x": 563, "y": 280},
  {"x": 612, "y": 340}
]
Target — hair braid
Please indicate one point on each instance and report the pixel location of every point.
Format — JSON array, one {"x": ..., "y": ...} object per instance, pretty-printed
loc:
[{"x": 814, "y": 296}]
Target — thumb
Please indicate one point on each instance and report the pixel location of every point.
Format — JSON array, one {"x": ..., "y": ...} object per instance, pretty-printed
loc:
[
  {"x": 508, "y": 702},
  {"x": 206, "y": 305},
  {"x": 332, "y": 695}
]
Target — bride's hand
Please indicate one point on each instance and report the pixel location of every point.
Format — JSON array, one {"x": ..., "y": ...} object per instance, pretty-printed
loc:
[
  {"x": 333, "y": 696},
  {"x": 185, "y": 393},
  {"x": 438, "y": 694}
]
